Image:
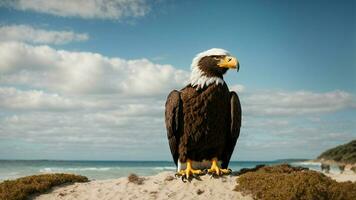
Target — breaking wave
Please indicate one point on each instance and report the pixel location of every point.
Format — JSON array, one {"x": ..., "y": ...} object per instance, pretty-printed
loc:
[
  {"x": 57, "y": 169},
  {"x": 165, "y": 168}
]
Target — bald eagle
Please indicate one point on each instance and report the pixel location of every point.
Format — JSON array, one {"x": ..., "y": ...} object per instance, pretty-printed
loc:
[{"x": 203, "y": 119}]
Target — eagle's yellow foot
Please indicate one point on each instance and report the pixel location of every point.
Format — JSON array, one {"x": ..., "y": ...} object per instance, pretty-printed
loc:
[
  {"x": 189, "y": 172},
  {"x": 216, "y": 170}
]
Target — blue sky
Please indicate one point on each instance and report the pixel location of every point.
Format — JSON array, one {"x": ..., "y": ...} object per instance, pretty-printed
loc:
[
  {"x": 308, "y": 45},
  {"x": 297, "y": 79}
]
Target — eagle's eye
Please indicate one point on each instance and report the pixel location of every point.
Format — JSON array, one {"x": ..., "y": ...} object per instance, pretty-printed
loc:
[{"x": 216, "y": 57}]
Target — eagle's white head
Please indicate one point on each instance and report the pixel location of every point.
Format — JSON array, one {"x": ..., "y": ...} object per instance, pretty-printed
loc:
[{"x": 209, "y": 67}]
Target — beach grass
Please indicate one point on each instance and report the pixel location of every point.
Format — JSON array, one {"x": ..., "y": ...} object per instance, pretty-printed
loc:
[
  {"x": 286, "y": 182},
  {"x": 353, "y": 169},
  {"x": 133, "y": 178},
  {"x": 22, "y": 188}
]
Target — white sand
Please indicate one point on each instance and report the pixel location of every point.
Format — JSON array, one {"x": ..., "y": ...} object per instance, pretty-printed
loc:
[
  {"x": 153, "y": 187},
  {"x": 158, "y": 187},
  {"x": 347, "y": 175}
]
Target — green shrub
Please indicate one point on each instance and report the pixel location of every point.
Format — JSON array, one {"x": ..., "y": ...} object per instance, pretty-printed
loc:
[
  {"x": 286, "y": 182},
  {"x": 22, "y": 188},
  {"x": 345, "y": 153}
]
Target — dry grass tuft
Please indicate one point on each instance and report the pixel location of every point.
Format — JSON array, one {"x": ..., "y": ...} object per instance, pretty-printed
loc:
[
  {"x": 22, "y": 188},
  {"x": 199, "y": 192},
  {"x": 133, "y": 178},
  {"x": 353, "y": 169},
  {"x": 286, "y": 182},
  {"x": 169, "y": 178}
]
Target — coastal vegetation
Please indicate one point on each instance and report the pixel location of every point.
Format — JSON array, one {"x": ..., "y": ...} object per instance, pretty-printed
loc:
[
  {"x": 345, "y": 153},
  {"x": 133, "y": 178},
  {"x": 22, "y": 188},
  {"x": 286, "y": 182},
  {"x": 353, "y": 169}
]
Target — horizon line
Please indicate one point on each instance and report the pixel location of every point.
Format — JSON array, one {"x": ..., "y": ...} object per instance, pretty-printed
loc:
[{"x": 147, "y": 160}]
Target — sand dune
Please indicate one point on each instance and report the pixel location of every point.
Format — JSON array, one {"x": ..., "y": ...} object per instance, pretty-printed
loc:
[{"x": 160, "y": 186}]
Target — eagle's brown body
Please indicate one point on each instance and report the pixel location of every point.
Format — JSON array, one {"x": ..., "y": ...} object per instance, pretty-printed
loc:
[{"x": 203, "y": 124}]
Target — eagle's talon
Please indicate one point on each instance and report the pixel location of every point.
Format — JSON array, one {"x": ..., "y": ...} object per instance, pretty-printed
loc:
[
  {"x": 189, "y": 172},
  {"x": 216, "y": 170},
  {"x": 184, "y": 178}
]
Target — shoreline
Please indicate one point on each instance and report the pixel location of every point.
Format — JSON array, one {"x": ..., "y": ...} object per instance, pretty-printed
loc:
[
  {"x": 331, "y": 162},
  {"x": 103, "y": 170},
  {"x": 347, "y": 175}
]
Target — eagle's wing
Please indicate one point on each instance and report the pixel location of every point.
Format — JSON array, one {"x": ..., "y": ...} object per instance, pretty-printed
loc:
[
  {"x": 234, "y": 133},
  {"x": 173, "y": 117}
]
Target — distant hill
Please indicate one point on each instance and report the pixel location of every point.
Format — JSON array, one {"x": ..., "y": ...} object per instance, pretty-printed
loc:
[
  {"x": 345, "y": 153},
  {"x": 290, "y": 160}
]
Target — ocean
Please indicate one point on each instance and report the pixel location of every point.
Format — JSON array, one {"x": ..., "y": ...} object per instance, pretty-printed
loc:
[{"x": 99, "y": 170}]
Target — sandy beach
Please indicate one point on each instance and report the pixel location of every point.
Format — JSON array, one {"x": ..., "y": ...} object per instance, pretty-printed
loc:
[
  {"x": 160, "y": 186},
  {"x": 347, "y": 175}
]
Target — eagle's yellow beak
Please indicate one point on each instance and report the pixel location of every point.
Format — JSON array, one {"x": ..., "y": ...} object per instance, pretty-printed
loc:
[{"x": 229, "y": 62}]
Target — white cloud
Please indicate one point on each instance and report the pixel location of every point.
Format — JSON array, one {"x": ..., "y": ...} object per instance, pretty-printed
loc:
[
  {"x": 237, "y": 88},
  {"x": 87, "y": 9},
  {"x": 84, "y": 72},
  {"x": 123, "y": 127},
  {"x": 77, "y": 103},
  {"x": 109, "y": 103},
  {"x": 275, "y": 103},
  {"x": 27, "y": 33},
  {"x": 15, "y": 99}
]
